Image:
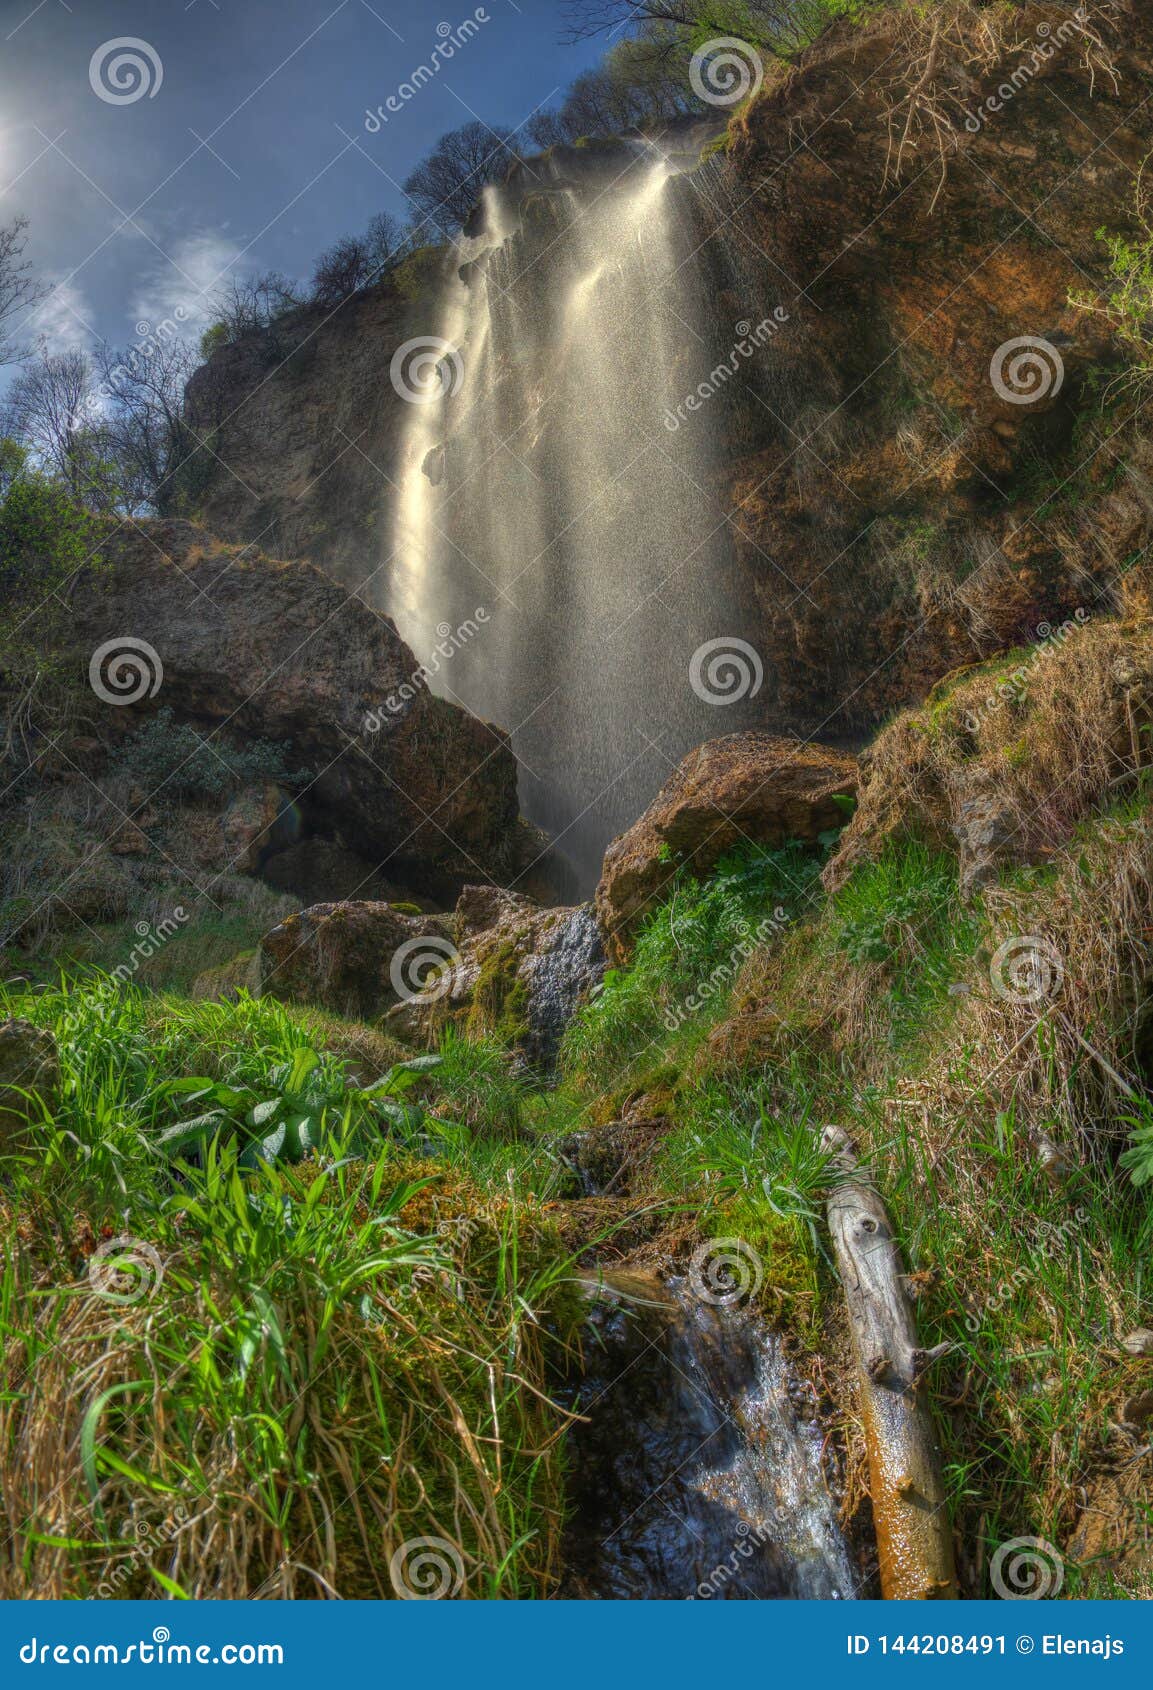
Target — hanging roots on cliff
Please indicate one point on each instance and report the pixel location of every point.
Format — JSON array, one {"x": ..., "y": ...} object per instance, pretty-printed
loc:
[{"x": 942, "y": 55}]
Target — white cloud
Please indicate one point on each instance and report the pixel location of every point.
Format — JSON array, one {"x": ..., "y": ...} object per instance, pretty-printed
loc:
[
  {"x": 62, "y": 319},
  {"x": 179, "y": 287}
]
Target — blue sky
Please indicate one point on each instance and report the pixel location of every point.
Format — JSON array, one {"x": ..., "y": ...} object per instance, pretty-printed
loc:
[{"x": 252, "y": 151}]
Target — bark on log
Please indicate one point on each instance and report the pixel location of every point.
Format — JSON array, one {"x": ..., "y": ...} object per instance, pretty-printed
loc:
[{"x": 914, "y": 1536}]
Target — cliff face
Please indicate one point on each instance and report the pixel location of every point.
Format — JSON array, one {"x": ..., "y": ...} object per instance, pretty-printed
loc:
[
  {"x": 906, "y": 489},
  {"x": 306, "y": 444},
  {"x": 918, "y": 499}
]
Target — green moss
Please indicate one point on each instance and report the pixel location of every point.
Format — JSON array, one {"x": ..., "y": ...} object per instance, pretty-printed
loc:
[{"x": 499, "y": 1007}]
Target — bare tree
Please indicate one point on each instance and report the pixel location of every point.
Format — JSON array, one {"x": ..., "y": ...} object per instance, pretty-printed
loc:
[
  {"x": 164, "y": 454},
  {"x": 51, "y": 408},
  {"x": 342, "y": 270},
  {"x": 447, "y": 184},
  {"x": 248, "y": 304},
  {"x": 386, "y": 242},
  {"x": 20, "y": 291},
  {"x": 780, "y": 26}
]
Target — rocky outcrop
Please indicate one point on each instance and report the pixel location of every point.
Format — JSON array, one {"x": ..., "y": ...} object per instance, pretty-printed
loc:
[
  {"x": 277, "y": 651},
  {"x": 748, "y": 787},
  {"x": 891, "y": 520},
  {"x": 519, "y": 974},
  {"x": 356, "y": 958},
  {"x": 306, "y": 418},
  {"x": 29, "y": 1080},
  {"x": 1005, "y": 761}
]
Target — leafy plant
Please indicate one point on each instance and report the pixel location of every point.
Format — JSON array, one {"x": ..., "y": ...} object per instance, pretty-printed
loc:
[
  {"x": 1138, "y": 1159},
  {"x": 288, "y": 1119}
]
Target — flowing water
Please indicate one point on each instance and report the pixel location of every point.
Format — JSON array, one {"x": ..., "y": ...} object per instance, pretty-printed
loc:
[
  {"x": 549, "y": 481},
  {"x": 697, "y": 1472}
]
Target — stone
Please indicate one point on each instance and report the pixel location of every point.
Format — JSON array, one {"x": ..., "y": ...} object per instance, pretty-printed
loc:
[
  {"x": 29, "y": 1081},
  {"x": 520, "y": 974},
  {"x": 279, "y": 651},
  {"x": 746, "y": 787},
  {"x": 341, "y": 956}
]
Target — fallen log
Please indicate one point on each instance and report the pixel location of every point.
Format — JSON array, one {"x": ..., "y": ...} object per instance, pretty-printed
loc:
[{"x": 914, "y": 1535}]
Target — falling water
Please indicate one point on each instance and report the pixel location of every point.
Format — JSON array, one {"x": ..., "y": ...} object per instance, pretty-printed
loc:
[
  {"x": 551, "y": 484},
  {"x": 695, "y": 1471}
]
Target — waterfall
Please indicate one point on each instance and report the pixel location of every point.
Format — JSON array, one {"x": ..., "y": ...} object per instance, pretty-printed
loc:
[
  {"x": 553, "y": 479},
  {"x": 696, "y": 1469}
]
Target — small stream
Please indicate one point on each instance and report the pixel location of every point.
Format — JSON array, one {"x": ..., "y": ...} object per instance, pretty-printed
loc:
[{"x": 697, "y": 1472}]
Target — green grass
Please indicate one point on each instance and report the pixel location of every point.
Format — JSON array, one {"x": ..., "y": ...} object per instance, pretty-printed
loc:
[{"x": 301, "y": 1367}]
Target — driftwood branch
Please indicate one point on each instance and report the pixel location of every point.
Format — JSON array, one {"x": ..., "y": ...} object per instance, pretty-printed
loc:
[{"x": 914, "y": 1536}]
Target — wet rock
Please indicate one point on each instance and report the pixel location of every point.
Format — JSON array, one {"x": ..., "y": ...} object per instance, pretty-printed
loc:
[
  {"x": 520, "y": 973},
  {"x": 692, "y": 1474},
  {"x": 341, "y": 956},
  {"x": 29, "y": 1080},
  {"x": 748, "y": 786}
]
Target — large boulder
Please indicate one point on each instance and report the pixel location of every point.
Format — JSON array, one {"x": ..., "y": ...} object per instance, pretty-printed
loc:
[
  {"x": 520, "y": 973},
  {"x": 29, "y": 1080},
  {"x": 278, "y": 651},
  {"x": 356, "y": 958},
  {"x": 728, "y": 792}
]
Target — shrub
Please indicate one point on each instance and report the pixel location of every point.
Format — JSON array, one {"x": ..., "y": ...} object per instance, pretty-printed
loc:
[{"x": 173, "y": 761}]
